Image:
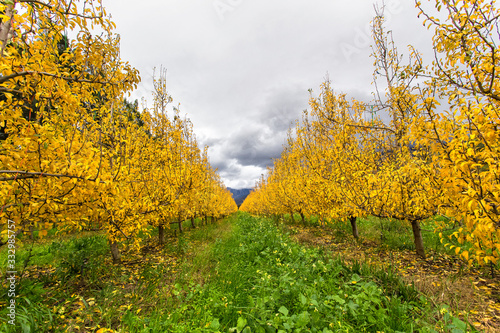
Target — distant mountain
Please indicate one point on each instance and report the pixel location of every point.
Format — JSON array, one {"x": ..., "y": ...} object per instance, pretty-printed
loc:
[{"x": 239, "y": 195}]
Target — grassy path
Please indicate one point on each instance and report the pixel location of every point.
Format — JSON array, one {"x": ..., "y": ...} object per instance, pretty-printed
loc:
[
  {"x": 243, "y": 274},
  {"x": 262, "y": 281}
]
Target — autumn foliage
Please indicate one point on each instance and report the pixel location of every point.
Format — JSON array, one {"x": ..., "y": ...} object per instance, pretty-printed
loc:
[
  {"x": 435, "y": 152},
  {"x": 73, "y": 154}
]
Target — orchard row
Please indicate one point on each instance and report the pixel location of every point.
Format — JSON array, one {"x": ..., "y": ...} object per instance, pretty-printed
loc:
[
  {"x": 74, "y": 154},
  {"x": 429, "y": 145}
]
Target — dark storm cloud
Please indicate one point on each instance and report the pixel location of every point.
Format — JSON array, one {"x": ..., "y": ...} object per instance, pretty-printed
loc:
[
  {"x": 249, "y": 146},
  {"x": 254, "y": 148},
  {"x": 230, "y": 169},
  {"x": 259, "y": 140}
]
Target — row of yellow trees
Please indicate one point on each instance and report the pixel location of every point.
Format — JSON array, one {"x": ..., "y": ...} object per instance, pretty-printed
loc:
[
  {"x": 436, "y": 150},
  {"x": 73, "y": 153}
]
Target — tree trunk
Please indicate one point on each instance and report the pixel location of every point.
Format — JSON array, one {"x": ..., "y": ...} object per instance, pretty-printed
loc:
[
  {"x": 291, "y": 217},
  {"x": 161, "y": 234},
  {"x": 354, "y": 226},
  {"x": 180, "y": 226},
  {"x": 5, "y": 28},
  {"x": 115, "y": 252},
  {"x": 192, "y": 223},
  {"x": 417, "y": 238},
  {"x": 302, "y": 218}
]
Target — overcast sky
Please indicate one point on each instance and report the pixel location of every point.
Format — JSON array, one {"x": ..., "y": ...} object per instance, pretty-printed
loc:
[{"x": 241, "y": 70}]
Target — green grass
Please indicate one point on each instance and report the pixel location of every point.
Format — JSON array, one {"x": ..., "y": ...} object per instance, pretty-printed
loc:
[
  {"x": 398, "y": 235},
  {"x": 390, "y": 233},
  {"x": 261, "y": 281},
  {"x": 71, "y": 285},
  {"x": 243, "y": 274}
]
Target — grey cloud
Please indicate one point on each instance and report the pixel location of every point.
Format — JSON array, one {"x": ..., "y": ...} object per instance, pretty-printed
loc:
[
  {"x": 258, "y": 153},
  {"x": 282, "y": 107},
  {"x": 252, "y": 146},
  {"x": 257, "y": 141},
  {"x": 261, "y": 141},
  {"x": 231, "y": 169}
]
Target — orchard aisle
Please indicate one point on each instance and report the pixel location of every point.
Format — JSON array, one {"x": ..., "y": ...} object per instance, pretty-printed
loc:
[
  {"x": 257, "y": 279},
  {"x": 239, "y": 274}
]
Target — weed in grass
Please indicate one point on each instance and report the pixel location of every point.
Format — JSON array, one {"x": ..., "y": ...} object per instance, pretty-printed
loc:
[
  {"x": 182, "y": 246},
  {"x": 31, "y": 316},
  {"x": 80, "y": 256}
]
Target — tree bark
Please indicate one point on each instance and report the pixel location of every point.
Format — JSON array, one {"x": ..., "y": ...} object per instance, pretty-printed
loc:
[
  {"x": 354, "y": 226},
  {"x": 192, "y": 223},
  {"x": 161, "y": 234},
  {"x": 5, "y": 28},
  {"x": 417, "y": 238},
  {"x": 303, "y": 218},
  {"x": 115, "y": 252}
]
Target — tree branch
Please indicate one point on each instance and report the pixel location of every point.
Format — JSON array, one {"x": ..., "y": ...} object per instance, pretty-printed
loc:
[
  {"x": 72, "y": 79},
  {"x": 28, "y": 175}
]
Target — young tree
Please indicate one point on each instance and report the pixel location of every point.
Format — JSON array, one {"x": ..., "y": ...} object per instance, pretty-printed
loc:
[
  {"x": 464, "y": 139},
  {"x": 52, "y": 154}
]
